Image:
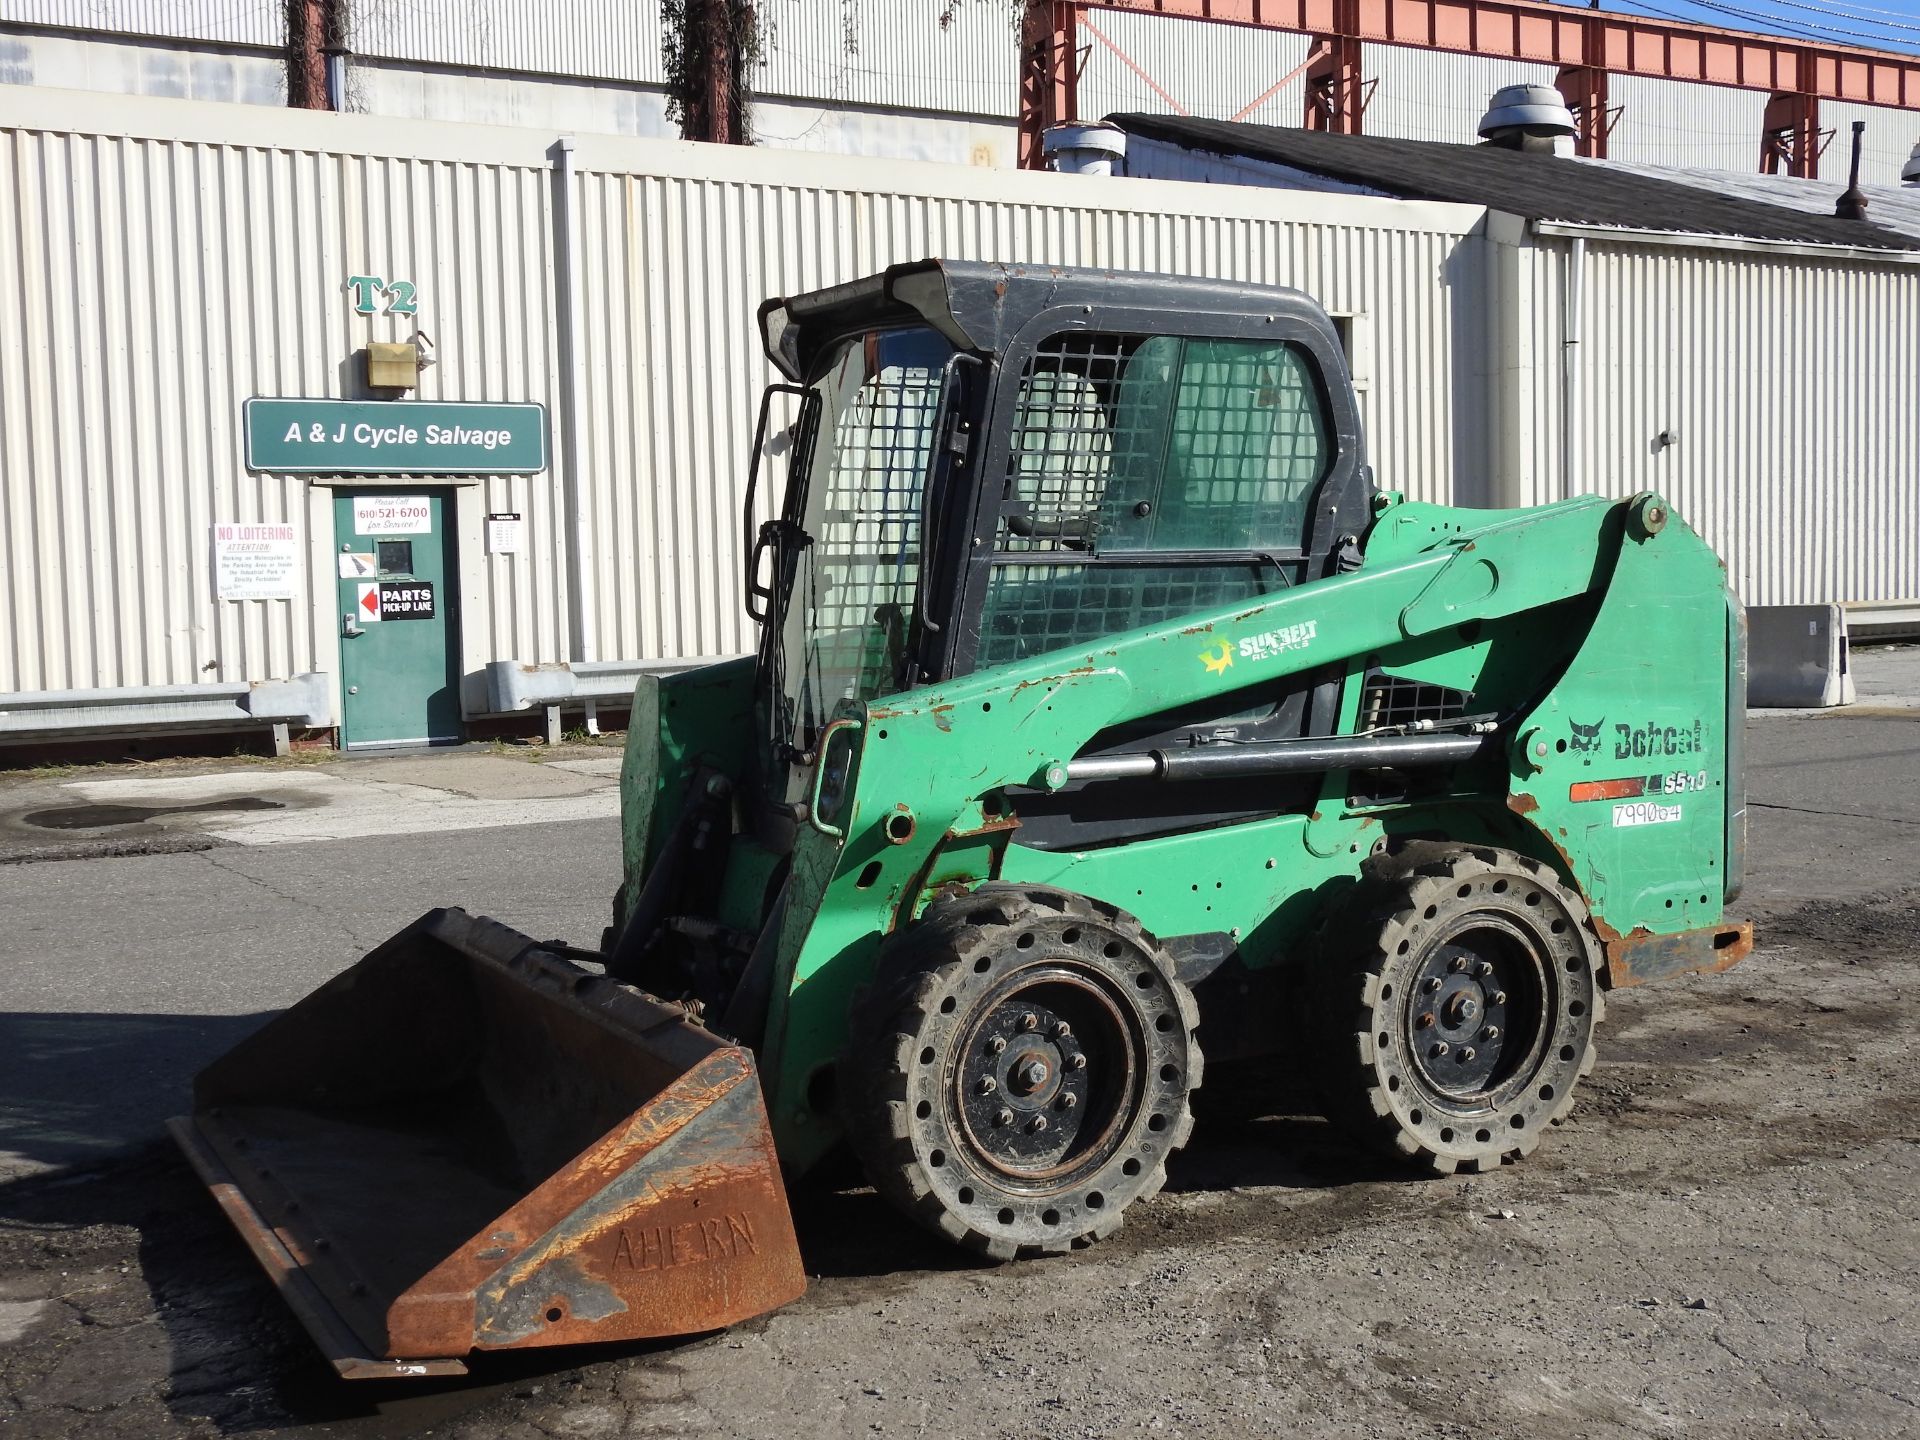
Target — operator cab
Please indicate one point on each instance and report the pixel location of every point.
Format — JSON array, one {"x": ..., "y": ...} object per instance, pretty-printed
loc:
[{"x": 986, "y": 463}]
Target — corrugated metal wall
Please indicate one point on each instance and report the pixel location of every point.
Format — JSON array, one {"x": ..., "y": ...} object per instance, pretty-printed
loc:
[
  {"x": 151, "y": 285},
  {"x": 675, "y": 373},
  {"x": 1216, "y": 71},
  {"x": 1889, "y": 139},
  {"x": 1788, "y": 384},
  {"x": 1663, "y": 122},
  {"x": 166, "y": 260},
  {"x": 1425, "y": 95},
  {"x": 220, "y": 22},
  {"x": 592, "y": 39},
  {"x": 892, "y": 55},
  {"x": 418, "y": 58}
]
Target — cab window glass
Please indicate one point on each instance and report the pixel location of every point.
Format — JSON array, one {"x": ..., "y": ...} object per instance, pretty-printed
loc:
[{"x": 1130, "y": 446}]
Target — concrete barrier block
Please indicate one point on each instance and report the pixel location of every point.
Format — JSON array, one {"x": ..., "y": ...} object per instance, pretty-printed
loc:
[{"x": 1797, "y": 657}]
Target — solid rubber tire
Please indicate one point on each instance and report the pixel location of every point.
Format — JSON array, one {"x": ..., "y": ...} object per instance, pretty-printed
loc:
[
  {"x": 884, "y": 1080},
  {"x": 1371, "y": 947}
]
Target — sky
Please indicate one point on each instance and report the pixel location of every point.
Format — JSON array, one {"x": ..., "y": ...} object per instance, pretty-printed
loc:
[{"x": 1873, "y": 24}]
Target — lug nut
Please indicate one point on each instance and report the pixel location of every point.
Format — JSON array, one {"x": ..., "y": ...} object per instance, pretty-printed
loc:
[
  {"x": 1029, "y": 1021},
  {"x": 1036, "y": 1125},
  {"x": 1483, "y": 969},
  {"x": 1439, "y": 1048},
  {"x": 1061, "y": 1030},
  {"x": 1076, "y": 1062},
  {"x": 1492, "y": 1032},
  {"x": 1433, "y": 985},
  {"x": 1425, "y": 1022},
  {"x": 1068, "y": 1100},
  {"x": 1458, "y": 964},
  {"x": 1003, "y": 1116},
  {"x": 1498, "y": 997},
  {"x": 1466, "y": 1054},
  {"x": 988, "y": 1085},
  {"x": 997, "y": 1044}
]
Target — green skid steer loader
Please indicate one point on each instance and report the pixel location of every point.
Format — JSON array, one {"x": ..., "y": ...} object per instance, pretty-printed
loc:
[{"x": 1103, "y": 714}]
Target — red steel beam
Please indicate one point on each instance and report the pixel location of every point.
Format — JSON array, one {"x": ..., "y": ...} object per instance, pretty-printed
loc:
[
  {"x": 1049, "y": 73},
  {"x": 1560, "y": 35}
]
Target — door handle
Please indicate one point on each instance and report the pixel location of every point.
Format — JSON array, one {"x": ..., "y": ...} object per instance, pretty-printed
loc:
[{"x": 349, "y": 627}]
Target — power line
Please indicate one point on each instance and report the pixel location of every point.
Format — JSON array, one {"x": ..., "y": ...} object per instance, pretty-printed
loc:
[
  {"x": 1845, "y": 13},
  {"x": 1789, "y": 29}
]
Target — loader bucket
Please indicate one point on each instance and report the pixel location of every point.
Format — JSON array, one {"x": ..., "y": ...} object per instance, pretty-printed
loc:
[{"x": 468, "y": 1142}]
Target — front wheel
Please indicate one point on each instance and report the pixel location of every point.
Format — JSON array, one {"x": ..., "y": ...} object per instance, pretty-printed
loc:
[
  {"x": 1020, "y": 1072},
  {"x": 1459, "y": 992}
]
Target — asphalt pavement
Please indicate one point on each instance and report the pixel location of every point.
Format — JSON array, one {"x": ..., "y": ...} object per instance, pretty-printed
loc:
[
  {"x": 120, "y": 975},
  {"x": 1737, "y": 1257}
]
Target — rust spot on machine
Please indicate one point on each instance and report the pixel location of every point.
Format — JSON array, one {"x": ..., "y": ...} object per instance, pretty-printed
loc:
[
  {"x": 1641, "y": 956},
  {"x": 467, "y": 1142}
]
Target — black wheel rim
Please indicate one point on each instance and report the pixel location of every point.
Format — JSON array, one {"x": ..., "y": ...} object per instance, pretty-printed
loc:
[
  {"x": 1479, "y": 1015},
  {"x": 1047, "y": 1079}
]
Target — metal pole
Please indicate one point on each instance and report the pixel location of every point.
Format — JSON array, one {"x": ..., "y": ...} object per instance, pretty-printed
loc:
[
  {"x": 580, "y": 593},
  {"x": 1572, "y": 311},
  {"x": 1290, "y": 757}
]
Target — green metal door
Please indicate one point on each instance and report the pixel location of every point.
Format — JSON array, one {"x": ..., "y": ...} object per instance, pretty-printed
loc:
[{"x": 400, "y": 678}]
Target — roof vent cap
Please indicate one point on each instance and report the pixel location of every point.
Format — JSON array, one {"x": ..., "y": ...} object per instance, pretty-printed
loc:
[
  {"x": 1910, "y": 172},
  {"x": 1078, "y": 149},
  {"x": 1534, "y": 118}
]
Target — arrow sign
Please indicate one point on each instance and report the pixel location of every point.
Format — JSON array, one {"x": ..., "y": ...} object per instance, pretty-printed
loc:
[{"x": 369, "y": 604}]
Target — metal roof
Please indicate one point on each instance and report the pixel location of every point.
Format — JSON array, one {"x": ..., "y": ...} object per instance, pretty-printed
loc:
[
  {"x": 1893, "y": 207},
  {"x": 1533, "y": 186}
]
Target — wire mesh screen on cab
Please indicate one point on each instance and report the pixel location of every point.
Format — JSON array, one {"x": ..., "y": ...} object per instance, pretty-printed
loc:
[
  {"x": 856, "y": 579},
  {"x": 1126, "y": 448}
]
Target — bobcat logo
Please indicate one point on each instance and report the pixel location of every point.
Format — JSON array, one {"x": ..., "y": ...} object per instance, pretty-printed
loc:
[{"x": 1586, "y": 738}]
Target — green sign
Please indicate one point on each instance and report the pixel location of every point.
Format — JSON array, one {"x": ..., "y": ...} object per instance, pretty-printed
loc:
[{"x": 394, "y": 437}]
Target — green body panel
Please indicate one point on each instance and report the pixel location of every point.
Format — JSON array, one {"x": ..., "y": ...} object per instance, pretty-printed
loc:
[
  {"x": 1561, "y": 615},
  {"x": 678, "y": 723}
]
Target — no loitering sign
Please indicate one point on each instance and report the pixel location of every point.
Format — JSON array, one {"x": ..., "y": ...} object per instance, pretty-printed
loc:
[
  {"x": 256, "y": 562},
  {"x": 393, "y": 437}
]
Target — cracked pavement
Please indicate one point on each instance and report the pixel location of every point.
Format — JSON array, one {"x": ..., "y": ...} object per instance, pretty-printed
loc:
[{"x": 1722, "y": 1241}]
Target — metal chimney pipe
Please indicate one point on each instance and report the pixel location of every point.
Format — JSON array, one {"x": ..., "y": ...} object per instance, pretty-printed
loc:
[{"x": 1852, "y": 204}]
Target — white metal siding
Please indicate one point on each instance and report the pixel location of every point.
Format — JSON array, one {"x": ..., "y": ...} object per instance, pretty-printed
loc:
[
  {"x": 1889, "y": 139},
  {"x": 133, "y": 65},
  {"x": 1427, "y": 95},
  {"x": 674, "y": 370},
  {"x": 166, "y": 260},
  {"x": 592, "y": 39},
  {"x": 1665, "y": 122},
  {"x": 1215, "y": 71},
  {"x": 892, "y": 55},
  {"x": 222, "y": 22},
  {"x": 153, "y": 284},
  {"x": 1789, "y": 384},
  {"x": 407, "y": 91}
]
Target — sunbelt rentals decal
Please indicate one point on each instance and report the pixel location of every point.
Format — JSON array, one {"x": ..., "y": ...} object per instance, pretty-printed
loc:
[{"x": 1218, "y": 657}]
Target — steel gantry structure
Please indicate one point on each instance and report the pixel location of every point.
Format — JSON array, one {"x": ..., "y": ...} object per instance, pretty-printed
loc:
[{"x": 1587, "y": 45}]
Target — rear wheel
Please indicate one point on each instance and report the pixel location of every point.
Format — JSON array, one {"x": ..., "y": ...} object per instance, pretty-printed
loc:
[
  {"x": 1459, "y": 993},
  {"x": 1020, "y": 1072}
]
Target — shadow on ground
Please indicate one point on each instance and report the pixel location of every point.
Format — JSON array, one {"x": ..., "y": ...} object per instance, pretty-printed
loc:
[
  {"x": 226, "y": 1350},
  {"x": 47, "y": 1120}
]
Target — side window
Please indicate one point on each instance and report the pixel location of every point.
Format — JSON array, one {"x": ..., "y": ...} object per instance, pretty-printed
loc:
[
  {"x": 1128, "y": 446},
  {"x": 1246, "y": 446}
]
